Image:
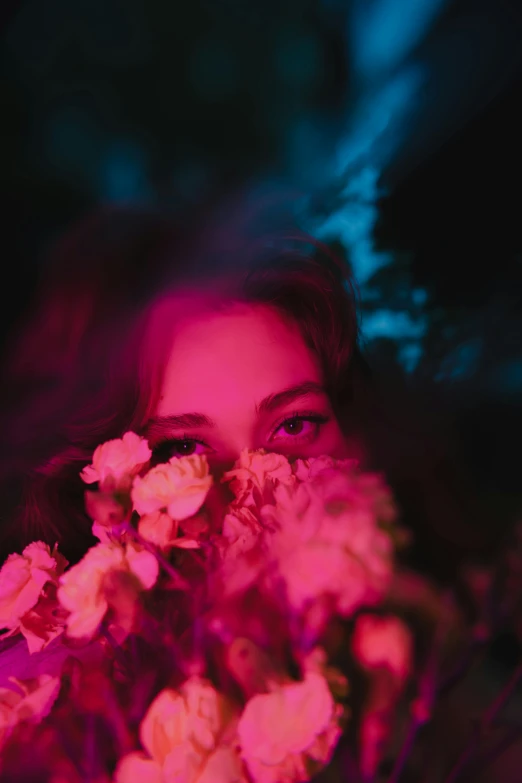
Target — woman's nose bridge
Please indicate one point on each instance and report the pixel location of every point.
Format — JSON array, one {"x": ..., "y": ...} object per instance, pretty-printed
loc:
[{"x": 239, "y": 438}]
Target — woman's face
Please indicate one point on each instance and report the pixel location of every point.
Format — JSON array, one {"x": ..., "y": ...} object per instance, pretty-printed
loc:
[{"x": 240, "y": 379}]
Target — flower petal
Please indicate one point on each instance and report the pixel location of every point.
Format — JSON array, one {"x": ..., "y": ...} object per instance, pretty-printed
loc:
[{"x": 137, "y": 767}]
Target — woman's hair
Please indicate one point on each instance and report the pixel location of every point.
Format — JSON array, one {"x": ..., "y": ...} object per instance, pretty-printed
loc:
[{"x": 83, "y": 368}]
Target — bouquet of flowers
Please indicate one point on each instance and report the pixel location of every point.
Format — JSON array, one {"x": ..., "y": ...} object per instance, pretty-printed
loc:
[{"x": 259, "y": 629}]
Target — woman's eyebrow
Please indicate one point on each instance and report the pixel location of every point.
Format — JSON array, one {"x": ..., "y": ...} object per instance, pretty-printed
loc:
[
  {"x": 269, "y": 404},
  {"x": 274, "y": 401},
  {"x": 180, "y": 422}
]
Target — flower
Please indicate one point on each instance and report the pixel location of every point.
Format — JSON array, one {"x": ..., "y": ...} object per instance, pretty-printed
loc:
[
  {"x": 164, "y": 726},
  {"x": 32, "y": 701},
  {"x": 320, "y": 569},
  {"x": 327, "y": 544},
  {"x": 241, "y": 532},
  {"x": 180, "y": 733},
  {"x": 308, "y": 469},
  {"x": 109, "y": 512},
  {"x": 40, "y": 625},
  {"x": 286, "y": 735},
  {"x": 178, "y": 487},
  {"x": 345, "y": 489},
  {"x": 22, "y": 578},
  {"x": 25, "y": 602},
  {"x": 256, "y": 473},
  {"x": 82, "y": 591},
  {"x": 158, "y": 528},
  {"x": 222, "y": 766},
  {"x": 116, "y": 462},
  {"x": 316, "y": 660},
  {"x": 207, "y": 712},
  {"x": 383, "y": 642},
  {"x": 107, "y": 534},
  {"x": 136, "y": 766},
  {"x": 242, "y": 551},
  {"x": 383, "y": 647}
]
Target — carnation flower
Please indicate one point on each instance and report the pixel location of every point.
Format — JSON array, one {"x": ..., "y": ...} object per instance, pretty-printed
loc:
[
  {"x": 316, "y": 660},
  {"x": 241, "y": 532},
  {"x": 25, "y": 602},
  {"x": 116, "y": 462},
  {"x": 32, "y": 700},
  {"x": 320, "y": 569},
  {"x": 308, "y": 469},
  {"x": 383, "y": 642},
  {"x": 107, "y": 534},
  {"x": 40, "y": 625},
  {"x": 328, "y": 542},
  {"x": 223, "y": 766},
  {"x": 178, "y": 487},
  {"x": 383, "y": 647},
  {"x": 180, "y": 734},
  {"x": 256, "y": 473},
  {"x": 82, "y": 592},
  {"x": 158, "y": 528},
  {"x": 243, "y": 555},
  {"x": 136, "y": 766},
  {"x": 162, "y": 531},
  {"x": 109, "y": 512},
  {"x": 344, "y": 489},
  {"x": 287, "y": 735},
  {"x": 208, "y": 712}
]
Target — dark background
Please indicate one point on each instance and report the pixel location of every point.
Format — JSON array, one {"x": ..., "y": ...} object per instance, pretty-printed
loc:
[{"x": 170, "y": 102}]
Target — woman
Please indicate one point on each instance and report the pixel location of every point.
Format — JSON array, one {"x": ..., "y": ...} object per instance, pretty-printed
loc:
[{"x": 203, "y": 343}]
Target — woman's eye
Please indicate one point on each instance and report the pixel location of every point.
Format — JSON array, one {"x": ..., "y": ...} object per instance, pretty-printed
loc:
[
  {"x": 178, "y": 447},
  {"x": 299, "y": 426},
  {"x": 294, "y": 426}
]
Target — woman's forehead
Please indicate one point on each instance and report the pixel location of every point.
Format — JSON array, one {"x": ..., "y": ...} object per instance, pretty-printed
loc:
[{"x": 233, "y": 357}]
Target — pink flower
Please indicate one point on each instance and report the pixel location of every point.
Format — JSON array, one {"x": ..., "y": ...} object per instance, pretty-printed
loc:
[
  {"x": 383, "y": 647},
  {"x": 288, "y": 734},
  {"x": 25, "y": 601},
  {"x": 241, "y": 532},
  {"x": 178, "y": 487},
  {"x": 308, "y": 469},
  {"x": 346, "y": 490},
  {"x": 383, "y": 643},
  {"x": 242, "y": 550},
  {"x": 40, "y": 625},
  {"x": 82, "y": 592},
  {"x": 109, "y": 512},
  {"x": 255, "y": 473},
  {"x": 180, "y": 733},
  {"x": 29, "y": 700},
  {"x": 328, "y": 543},
  {"x": 158, "y": 528},
  {"x": 208, "y": 712},
  {"x": 221, "y": 766},
  {"x": 107, "y": 534},
  {"x": 116, "y": 462},
  {"x": 137, "y": 767},
  {"x": 296, "y": 511},
  {"x": 316, "y": 660},
  {"x": 321, "y": 569}
]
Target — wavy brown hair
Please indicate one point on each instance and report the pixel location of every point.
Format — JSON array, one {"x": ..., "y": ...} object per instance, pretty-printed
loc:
[{"x": 82, "y": 369}]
